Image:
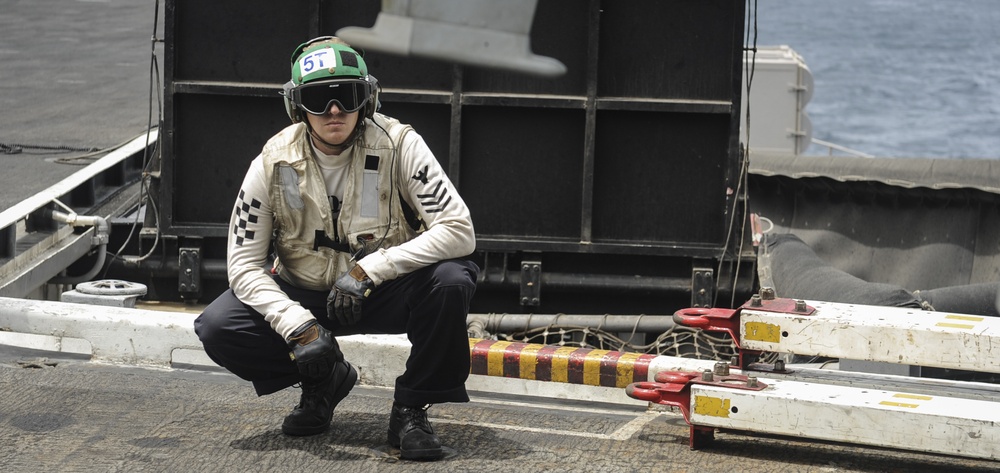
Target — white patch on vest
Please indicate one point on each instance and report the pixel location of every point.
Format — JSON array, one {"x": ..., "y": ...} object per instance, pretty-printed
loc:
[
  {"x": 290, "y": 187},
  {"x": 369, "y": 193}
]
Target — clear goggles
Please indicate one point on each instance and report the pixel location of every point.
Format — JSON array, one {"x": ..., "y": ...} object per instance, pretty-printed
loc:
[{"x": 350, "y": 95}]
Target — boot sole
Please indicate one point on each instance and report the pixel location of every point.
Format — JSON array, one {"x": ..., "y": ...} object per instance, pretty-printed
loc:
[{"x": 346, "y": 385}]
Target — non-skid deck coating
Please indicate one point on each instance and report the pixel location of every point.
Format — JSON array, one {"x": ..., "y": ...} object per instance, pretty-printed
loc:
[
  {"x": 75, "y": 75},
  {"x": 72, "y": 415}
]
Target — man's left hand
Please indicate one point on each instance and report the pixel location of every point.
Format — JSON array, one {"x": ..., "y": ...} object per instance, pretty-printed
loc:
[{"x": 350, "y": 290}]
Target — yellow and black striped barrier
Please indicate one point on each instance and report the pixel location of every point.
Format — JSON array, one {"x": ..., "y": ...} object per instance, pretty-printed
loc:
[{"x": 559, "y": 364}]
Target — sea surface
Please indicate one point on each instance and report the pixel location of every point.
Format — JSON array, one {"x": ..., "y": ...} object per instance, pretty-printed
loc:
[{"x": 895, "y": 78}]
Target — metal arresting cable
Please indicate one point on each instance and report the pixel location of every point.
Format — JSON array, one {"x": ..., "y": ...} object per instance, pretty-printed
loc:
[{"x": 22, "y": 148}]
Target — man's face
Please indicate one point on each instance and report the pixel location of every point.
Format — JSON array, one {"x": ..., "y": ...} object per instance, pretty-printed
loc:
[{"x": 334, "y": 126}]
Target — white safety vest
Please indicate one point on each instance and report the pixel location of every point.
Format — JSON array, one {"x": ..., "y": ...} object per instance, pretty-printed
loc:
[{"x": 371, "y": 215}]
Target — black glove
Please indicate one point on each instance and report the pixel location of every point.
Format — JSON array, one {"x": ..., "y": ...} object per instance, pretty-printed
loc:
[
  {"x": 314, "y": 350},
  {"x": 344, "y": 301}
]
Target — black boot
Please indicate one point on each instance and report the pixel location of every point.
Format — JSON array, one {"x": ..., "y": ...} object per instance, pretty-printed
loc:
[
  {"x": 319, "y": 398},
  {"x": 412, "y": 434}
]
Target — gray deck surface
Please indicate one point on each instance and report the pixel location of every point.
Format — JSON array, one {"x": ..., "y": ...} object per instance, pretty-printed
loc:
[
  {"x": 73, "y": 74},
  {"x": 76, "y": 74},
  {"x": 83, "y": 416}
]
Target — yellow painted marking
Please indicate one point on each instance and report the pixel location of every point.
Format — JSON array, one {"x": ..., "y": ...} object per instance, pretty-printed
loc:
[
  {"x": 919, "y": 397},
  {"x": 711, "y": 406},
  {"x": 529, "y": 360},
  {"x": 762, "y": 332},
  {"x": 960, "y": 326},
  {"x": 592, "y": 367},
  {"x": 910, "y": 405},
  {"x": 494, "y": 358},
  {"x": 473, "y": 342},
  {"x": 899, "y": 404},
  {"x": 626, "y": 369},
  {"x": 560, "y": 364},
  {"x": 969, "y": 318}
]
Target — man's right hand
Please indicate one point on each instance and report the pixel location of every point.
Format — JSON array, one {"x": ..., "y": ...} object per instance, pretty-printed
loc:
[{"x": 314, "y": 350}]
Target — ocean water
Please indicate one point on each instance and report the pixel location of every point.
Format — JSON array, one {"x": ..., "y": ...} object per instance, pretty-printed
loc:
[{"x": 896, "y": 78}]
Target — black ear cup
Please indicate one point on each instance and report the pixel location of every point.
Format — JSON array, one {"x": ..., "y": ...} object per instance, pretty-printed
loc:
[
  {"x": 291, "y": 108},
  {"x": 373, "y": 104}
]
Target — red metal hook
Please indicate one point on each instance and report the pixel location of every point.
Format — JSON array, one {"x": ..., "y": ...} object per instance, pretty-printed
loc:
[
  {"x": 673, "y": 388},
  {"x": 711, "y": 320}
]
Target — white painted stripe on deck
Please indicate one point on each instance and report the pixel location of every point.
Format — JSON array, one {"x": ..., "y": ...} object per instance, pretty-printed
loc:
[{"x": 624, "y": 432}]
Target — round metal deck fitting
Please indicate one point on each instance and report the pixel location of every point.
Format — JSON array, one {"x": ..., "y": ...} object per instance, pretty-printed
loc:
[{"x": 111, "y": 287}]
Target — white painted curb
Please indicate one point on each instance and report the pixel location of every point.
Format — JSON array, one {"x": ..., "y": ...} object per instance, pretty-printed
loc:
[{"x": 143, "y": 337}]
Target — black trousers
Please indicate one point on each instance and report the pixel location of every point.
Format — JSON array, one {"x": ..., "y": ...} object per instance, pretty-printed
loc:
[{"x": 430, "y": 306}]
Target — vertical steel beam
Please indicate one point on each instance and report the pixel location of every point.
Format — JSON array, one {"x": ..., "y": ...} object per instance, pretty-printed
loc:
[
  {"x": 455, "y": 135},
  {"x": 590, "y": 131}
]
